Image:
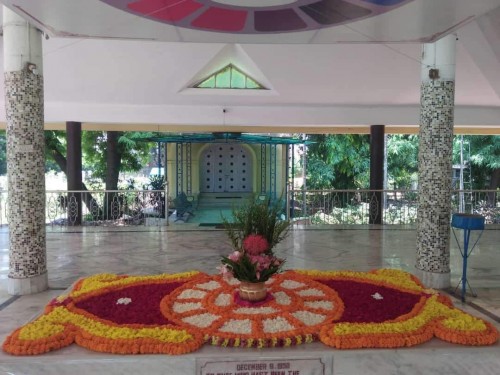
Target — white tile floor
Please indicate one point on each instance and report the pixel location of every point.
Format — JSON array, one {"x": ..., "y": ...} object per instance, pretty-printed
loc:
[{"x": 80, "y": 252}]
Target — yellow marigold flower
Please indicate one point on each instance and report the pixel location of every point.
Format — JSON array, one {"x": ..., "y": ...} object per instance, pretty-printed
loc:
[
  {"x": 464, "y": 322},
  {"x": 106, "y": 280},
  {"x": 432, "y": 315},
  {"x": 39, "y": 330},
  {"x": 432, "y": 310}
]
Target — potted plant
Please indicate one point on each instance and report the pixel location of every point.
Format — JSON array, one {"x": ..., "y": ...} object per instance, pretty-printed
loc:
[
  {"x": 157, "y": 199},
  {"x": 257, "y": 227}
]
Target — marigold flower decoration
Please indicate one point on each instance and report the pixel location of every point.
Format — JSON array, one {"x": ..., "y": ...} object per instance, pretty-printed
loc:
[
  {"x": 177, "y": 314},
  {"x": 256, "y": 229}
]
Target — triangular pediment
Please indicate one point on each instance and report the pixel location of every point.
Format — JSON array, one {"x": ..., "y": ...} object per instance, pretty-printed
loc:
[
  {"x": 229, "y": 77},
  {"x": 230, "y": 71}
]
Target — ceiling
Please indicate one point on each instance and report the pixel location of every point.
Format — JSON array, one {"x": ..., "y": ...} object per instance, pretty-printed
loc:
[{"x": 328, "y": 64}]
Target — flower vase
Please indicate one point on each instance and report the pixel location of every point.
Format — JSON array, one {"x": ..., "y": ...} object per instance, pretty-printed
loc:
[{"x": 252, "y": 292}]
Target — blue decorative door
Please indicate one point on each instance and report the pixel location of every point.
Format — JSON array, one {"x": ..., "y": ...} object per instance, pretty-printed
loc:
[{"x": 225, "y": 167}]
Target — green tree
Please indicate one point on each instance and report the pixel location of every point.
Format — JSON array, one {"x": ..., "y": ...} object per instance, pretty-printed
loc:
[
  {"x": 55, "y": 150},
  {"x": 402, "y": 160},
  {"x": 106, "y": 154},
  {"x": 340, "y": 161},
  {"x": 3, "y": 153},
  {"x": 483, "y": 151}
]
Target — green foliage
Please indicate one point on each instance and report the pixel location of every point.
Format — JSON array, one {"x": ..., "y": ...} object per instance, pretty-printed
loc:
[
  {"x": 129, "y": 184},
  {"x": 55, "y": 140},
  {"x": 402, "y": 160},
  {"x": 340, "y": 161},
  {"x": 51, "y": 166},
  {"x": 134, "y": 153},
  {"x": 3, "y": 152},
  {"x": 157, "y": 182},
  {"x": 402, "y": 213},
  {"x": 343, "y": 161},
  {"x": 94, "y": 183},
  {"x": 245, "y": 270},
  {"x": 55, "y": 144},
  {"x": 157, "y": 199},
  {"x": 257, "y": 217},
  {"x": 485, "y": 150},
  {"x": 484, "y": 154},
  {"x": 320, "y": 175}
]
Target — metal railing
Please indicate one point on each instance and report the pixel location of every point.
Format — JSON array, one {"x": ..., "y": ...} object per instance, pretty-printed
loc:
[
  {"x": 389, "y": 206},
  {"x": 149, "y": 207},
  {"x": 100, "y": 207}
]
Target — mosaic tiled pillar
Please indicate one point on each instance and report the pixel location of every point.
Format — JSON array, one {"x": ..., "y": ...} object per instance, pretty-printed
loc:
[
  {"x": 25, "y": 155},
  {"x": 435, "y": 163}
]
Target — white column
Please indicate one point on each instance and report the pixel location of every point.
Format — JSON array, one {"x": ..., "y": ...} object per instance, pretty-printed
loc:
[
  {"x": 435, "y": 162},
  {"x": 23, "y": 71}
]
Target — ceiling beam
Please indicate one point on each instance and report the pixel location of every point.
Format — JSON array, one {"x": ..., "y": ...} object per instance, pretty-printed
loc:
[{"x": 333, "y": 129}]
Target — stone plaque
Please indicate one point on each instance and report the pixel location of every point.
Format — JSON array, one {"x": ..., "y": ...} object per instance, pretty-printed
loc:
[{"x": 249, "y": 366}]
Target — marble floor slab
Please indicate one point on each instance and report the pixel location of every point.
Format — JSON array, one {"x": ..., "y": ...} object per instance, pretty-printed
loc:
[{"x": 78, "y": 252}]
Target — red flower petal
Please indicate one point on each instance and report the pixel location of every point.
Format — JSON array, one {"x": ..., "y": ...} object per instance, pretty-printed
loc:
[
  {"x": 144, "y": 308},
  {"x": 361, "y": 307}
]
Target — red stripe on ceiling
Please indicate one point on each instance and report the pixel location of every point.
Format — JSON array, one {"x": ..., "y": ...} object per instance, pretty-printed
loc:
[
  {"x": 167, "y": 10},
  {"x": 150, "y": 6},
  {"x": 221, "y": 19}
]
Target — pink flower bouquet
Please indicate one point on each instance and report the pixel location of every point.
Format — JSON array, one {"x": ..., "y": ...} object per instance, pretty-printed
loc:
[
  {"x": 254, "y": 263},
  {"x": 256, "y": 229}
]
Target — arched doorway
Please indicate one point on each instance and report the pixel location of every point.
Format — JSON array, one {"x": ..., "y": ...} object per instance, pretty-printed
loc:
[{"x": 225, "y": 167}]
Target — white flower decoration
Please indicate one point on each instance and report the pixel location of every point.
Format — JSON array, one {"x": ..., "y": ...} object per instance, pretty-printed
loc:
[
  {"x": 223, "y": 299},
  {"x": 123, "y": 301},
  {"x": 210, "y": 285},
  {"x": 255, "y": 310},
  {"x": 237, "y": 326},
  {"x": 377, "y": 296},
  {"x": 292, "y": 284},
  {"x": 310, "y": 292}
]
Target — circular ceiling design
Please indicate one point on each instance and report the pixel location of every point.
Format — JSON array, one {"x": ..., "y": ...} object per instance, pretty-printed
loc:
[{"x": 256, "y": 16}]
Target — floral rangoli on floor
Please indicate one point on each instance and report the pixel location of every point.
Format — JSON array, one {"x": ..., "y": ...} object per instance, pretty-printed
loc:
[{"x": 176, "y": 314}]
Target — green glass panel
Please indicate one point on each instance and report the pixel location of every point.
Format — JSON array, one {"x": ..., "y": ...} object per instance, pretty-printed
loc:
[
  {"x": 208, "y": 83},
  {"x": 237, "y": 80},
  {"x": 223, "y": 79},
  {"x": 251, "y": 84},
  {"x": 230, "y": 77}
]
